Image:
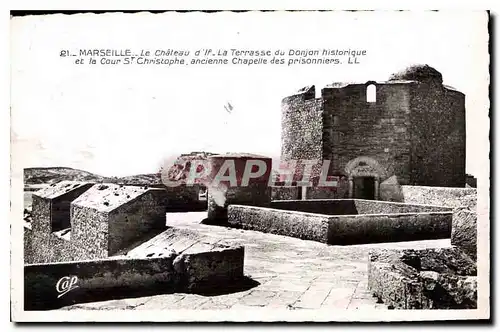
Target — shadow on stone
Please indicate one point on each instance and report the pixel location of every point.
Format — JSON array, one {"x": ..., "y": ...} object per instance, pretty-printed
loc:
[
  {"x": 189, "y": 208},
  {"x": 119, "y": 293},
  {"x": 95, "y": 295},
  {"x": 235, "y": 286},
  {"x": 216, "y": 222}
]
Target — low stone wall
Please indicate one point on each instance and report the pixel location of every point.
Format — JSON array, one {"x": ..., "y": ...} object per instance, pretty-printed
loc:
[
  {"x": 327, "y": 206},
  {"x": 353, "y": 206},
  {"x": 306, "y": 226},
  {"x": 125, "y": 277},
  {"x": 450, "y": 197},
  {"x": 343, "y": 229},
  {"x": 423, "y": 279},
  {"x": 463, "y": 201},
  {"x": 359, "y": 229},
  {"x": 380, "y": 207},
  {"x": 54, "y": 247},
  {"x": 316, "y": 192},
  {"x": 285, "y": 193}
]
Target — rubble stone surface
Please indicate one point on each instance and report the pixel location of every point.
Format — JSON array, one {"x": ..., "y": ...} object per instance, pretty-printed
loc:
[
  {"x": 443, "y": 278},
  {"x": 464, "y": 231}
]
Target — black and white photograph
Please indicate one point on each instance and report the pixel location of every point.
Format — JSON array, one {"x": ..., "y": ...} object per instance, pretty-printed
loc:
[{"x": 250, "y": 166}]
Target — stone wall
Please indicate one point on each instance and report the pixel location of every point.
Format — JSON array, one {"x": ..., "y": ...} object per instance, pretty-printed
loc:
[
  {"x": 41, "y": 215},
  {"x": 450, "y": 197},
  {"x": 359, "y": 229},
  {"x": 301, "y": 225},
  {"x": 379, "y": 207},
  {"x": 184, "y": 198},
  {"x": 327, "y": 206},
  {"x": 376, "y": 130},
  {"x": 342, "y": 229},
  {"x": 285, "y": 193},
  {"x": 130, "y": 221},
  {"x": 415, "y": 129},
  {"x": 55, "y": 247},
  {"x": 302, "y": 126},
  {"x": 316, "y": 192},
  {"x": 353, "y": 207},
  {"x": 28, "y": 244},
  {"x": 438, "y": 136}
]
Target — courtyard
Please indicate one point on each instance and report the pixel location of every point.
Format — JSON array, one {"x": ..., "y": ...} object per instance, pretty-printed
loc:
[{"x": 283, "y": 273}]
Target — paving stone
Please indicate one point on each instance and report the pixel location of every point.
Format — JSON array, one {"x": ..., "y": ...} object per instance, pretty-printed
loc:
[
  {"x": 339, "y": 297},
  {"x": 191, "y": 301},
  {"x": 228, "y": 300},
  {"x": 210, "y": 305},
  {"x": 283, "y": 284},
  {"x": 363, "y": 304},
  {"x": 284, "y": 299},
  {"x": 362, "y": 291},
  {"x": 314, "y": 296},
  {"x": 122, "y": 304},
  {"x": 167, "y": 301},
  {"x": 241, "y": 308},
  {"x": 290, "y": 271},
  {"x": 258, "y": 298}
]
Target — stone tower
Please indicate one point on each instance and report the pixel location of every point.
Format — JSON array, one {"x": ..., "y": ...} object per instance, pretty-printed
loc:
[{"x": 411, "y": 126}]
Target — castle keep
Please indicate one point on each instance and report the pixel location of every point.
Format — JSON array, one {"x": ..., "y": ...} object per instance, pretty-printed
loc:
[{"x": 411, "y": 126}]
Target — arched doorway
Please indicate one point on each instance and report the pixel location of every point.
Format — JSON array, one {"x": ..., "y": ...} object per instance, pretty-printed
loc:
[{"x": 364, "y": 175}]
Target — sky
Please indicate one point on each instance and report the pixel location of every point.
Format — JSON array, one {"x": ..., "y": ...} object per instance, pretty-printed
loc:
[{"x": 122, "y": 120}]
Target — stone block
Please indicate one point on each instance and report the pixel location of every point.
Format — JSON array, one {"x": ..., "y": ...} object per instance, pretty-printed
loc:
[
  {"x": 207, "y": 270},
  {"x": 109, "y": 217}
]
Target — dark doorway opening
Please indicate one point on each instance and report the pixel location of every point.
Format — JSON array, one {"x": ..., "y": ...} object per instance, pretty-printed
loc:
[{"x": 364, "y": 187}]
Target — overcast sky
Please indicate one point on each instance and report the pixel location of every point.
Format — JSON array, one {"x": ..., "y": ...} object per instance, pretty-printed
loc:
[{"x": 121, "y": 120}]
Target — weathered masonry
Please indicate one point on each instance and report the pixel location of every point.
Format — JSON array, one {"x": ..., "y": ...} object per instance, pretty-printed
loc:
[
  {"x": 411, "y": 126},
  {"x": 345, "y": 221}
]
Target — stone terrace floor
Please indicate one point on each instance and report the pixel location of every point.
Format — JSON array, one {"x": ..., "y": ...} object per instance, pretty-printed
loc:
[{"x": 292, "y": 273}]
